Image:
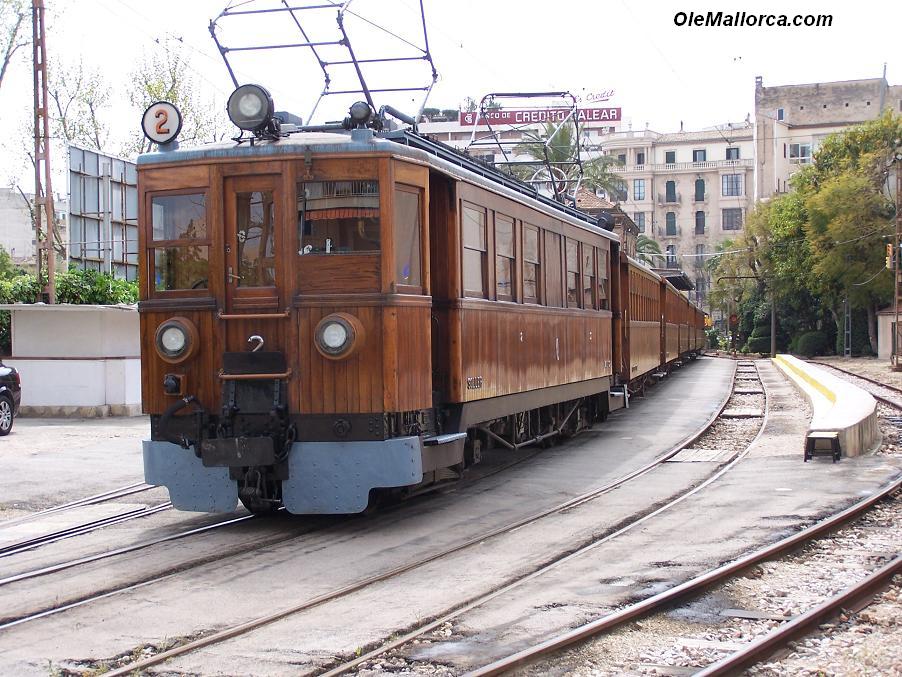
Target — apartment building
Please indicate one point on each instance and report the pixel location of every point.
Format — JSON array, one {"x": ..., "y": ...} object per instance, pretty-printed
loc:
[
  {"x": 689, "y": 190},
  {"x": 792, "y": 120}
]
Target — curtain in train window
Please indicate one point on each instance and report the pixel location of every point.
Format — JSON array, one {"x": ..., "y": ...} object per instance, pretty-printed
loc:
[
  {"x": 572, "y": 249},
  {"x": 474, "y": 250},
  {"x": 588, "y": 276},
  {"x": 338, "y": 217},
  {"x": 603, "y": 276},
  {"x": 505, "y": 278},
  {"x": 408, "y": 268},
  {"x": 532, "y": 267}
]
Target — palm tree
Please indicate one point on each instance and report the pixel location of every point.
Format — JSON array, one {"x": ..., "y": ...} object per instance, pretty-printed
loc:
[
  {"x": 558, "y": 162},
  {"x": 647, "y": 250}
]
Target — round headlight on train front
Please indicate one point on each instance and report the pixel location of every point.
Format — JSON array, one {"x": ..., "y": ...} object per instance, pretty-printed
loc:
[
  {"x": 338, "y": 336},
  {"x": 250, "y": 107},
  {"x": 176, "y": 339}
]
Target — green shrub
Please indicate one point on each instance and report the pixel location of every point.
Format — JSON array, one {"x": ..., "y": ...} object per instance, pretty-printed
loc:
[
  {"x": 758, "y": 344},
  {"x": 812, "y": 343}
]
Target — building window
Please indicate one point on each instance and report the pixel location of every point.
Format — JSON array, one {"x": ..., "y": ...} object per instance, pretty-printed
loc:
[
  {"x": 732, "y": 153},
  {"x": 731, "y": 219},
  {"x": 572, "y": 253},
  {"x": 639, "y": 220},
  {"x": 474, "y": 251},
  {"x": 588, "y": 276},
  {"x": 699, "y": 190},
  {"x": 670, "y": 228},
  {"x": 638, "y": 189},
  {"x": 505, "y": 278},
  {"x": 621, "y": 159},
  {"x": 670, "y": 157},
  {"x": 700, "y": 255},
  {"x": 640, "y": 158},
  {"x": 531, "y": 264},
  {"x": 731, "y": 185},
  {"x": 700, "y": 223},
  {"x": 620, "y": 194},
  {"x": 800, "y": 153},
  {"x": 671, "y": 256},
  {"x": 699, "y": 155},
  {"x": 779, "y": 113},
  {"x": 670, "y": 191}
]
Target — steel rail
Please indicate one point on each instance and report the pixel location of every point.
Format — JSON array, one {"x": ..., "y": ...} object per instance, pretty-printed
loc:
[
  {"x": 254, "y": 624},
  {"x": 78, "y": 529},
  {"x": 764, "y": 647},
  {"x": 127, "y": 490},
  {"x": 885, "y": 400},
  {"x": 467, "y": 606},
  {"x": 692, "y": 587},
  {"x": 142, "y": 583}
]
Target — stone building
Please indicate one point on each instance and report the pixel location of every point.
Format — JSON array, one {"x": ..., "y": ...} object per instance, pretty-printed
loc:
[
  {"x": 689, "y": 190},
  {"x": 792, "y": 120},
  {"x": 17, "y": 229}
]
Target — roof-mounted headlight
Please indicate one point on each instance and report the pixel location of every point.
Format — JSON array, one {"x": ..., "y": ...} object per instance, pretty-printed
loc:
[
  {"x": 359, "y": 114},
  {"x": 251, "y": 108}
]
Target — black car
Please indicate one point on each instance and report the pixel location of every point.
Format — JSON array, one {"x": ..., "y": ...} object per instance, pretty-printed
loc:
[{"x": 10, "y": 396}]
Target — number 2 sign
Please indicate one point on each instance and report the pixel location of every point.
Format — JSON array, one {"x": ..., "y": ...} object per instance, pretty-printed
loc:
[{"x": 162, "y": 122}]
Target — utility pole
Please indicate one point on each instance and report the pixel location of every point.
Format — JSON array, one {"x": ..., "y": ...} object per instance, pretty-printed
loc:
[
  {"x": 897, "y": 164},
  {"x": 43, "y": 189}
]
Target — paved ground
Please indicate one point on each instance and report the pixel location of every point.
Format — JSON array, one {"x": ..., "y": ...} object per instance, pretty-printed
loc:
[
  {"x": 771, "y": 493},
  {"x": 47, "y": 462},
  {"x": 246, "y": 586}
]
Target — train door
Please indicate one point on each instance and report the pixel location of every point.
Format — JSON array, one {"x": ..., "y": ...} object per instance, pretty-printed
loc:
[
  {"x": 254, "y": 303},
  {"x": 251, "y": 264}
]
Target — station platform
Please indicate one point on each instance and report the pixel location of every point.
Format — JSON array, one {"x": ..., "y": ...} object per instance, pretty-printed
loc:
[{"x": 844, "y": 418}]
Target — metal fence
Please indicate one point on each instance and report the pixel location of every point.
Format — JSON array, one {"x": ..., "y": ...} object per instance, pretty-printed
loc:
[{"x": 103, "y": 213}]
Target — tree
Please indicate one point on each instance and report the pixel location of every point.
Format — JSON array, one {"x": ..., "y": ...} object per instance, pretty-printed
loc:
[
  {"x": 648, "y": 250},
  {"x": 557, "y": 147},
  {"x": 77, "y": 96},
  {"x": 165, "y": 75},
  {"x": 13, "y": 31}
]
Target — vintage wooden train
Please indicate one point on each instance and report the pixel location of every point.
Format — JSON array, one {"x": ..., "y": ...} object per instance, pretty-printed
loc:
[{"x": 330, "y": 314}]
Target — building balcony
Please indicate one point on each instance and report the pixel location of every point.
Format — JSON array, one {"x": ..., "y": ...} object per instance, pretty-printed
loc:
[
  {"x": 681, "y": 166},
  {"x": 663, "y": 199}
]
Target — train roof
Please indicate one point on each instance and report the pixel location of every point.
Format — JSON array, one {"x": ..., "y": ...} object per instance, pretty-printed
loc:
[{"x": 400, "y": 143}]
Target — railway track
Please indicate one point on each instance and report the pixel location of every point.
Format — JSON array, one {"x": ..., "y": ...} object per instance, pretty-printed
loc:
[
  {"x": 882, "y": 392},
  {"x": 763, "y": 647},
  {"x": 113, "y": 494},
  {"x": 746, "y": 370}
]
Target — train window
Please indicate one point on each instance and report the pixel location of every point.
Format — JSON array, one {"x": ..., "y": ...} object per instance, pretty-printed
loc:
[
  {"x": 505, "y": 278},
  {"x": 553, "y": 296},
  {"x": 256, "y": 239},
  {"x": 532, "y": 266},
  {"x": 180, "y": 247},
  {"x": 603, "y": 302},
  {"x": 185, "y": 267},
  {"x": 588, "y": 276},
  {"x": 572, "y": 249},
  {"x": 179, "y": 217},
  {"x": 338, "y": 217},
  {"x": 407, "y": 236},
  {"x": 474, "y": 241}
]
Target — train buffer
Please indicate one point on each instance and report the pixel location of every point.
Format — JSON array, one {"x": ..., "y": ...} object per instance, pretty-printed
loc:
[{"x": 822, "y": 443}]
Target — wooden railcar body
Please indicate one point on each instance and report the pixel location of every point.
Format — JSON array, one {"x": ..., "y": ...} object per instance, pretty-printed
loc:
[{"x": 475, "y": 306}]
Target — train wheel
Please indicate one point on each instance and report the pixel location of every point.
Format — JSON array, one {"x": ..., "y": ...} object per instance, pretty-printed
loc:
[
  {"x": 257, "y": 505},
  {"x": 473, "y": 451}
]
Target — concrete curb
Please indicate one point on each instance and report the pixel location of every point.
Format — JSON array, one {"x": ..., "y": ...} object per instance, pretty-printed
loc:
[
  {"x": 838, "y": 405},
  {"x": 98, "y": 411}
]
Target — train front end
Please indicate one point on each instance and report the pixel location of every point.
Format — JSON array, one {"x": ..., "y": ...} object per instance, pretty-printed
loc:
[{"x": 285, "y": 320}]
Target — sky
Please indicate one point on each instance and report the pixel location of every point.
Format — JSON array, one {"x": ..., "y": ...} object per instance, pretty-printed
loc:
[{"x": 662, "y": 75}]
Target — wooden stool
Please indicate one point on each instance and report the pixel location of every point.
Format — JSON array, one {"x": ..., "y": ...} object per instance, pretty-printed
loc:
[{"x": 822, "y": 443}]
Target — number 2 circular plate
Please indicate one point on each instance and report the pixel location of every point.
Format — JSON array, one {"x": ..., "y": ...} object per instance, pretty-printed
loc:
[{"x": 162, "y": 122}]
